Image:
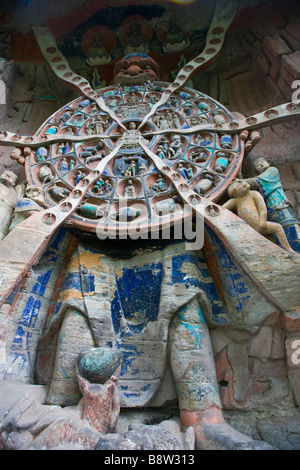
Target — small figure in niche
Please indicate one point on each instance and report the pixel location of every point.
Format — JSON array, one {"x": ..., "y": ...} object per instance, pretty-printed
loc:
[
  {"x": 133, "y": 98},
  {"x": 187, "y": 172},
  {"x": 51, "y": 130},
  {"x": 41, "y": 154},
  {"x": 205, "y": 184},
  {"x": 59, "y": 193},
  {"x": 64, "y": 165},
  {"x": 152, "y": 98},
  {"x": 92, "y": 154},
  {"x": 218, "y": 118},
  {"x": 131, "y": 168},
  {"x": 129, "y": 190},
  {"x": 198, "y": 155},
  {"x": 107, "y": 186},
  {"x": 197, "y": 120},
  {"x": 142, "y": 169},
  {"x": 176, "y": 121},
  {"x": 98, "y": 124},
  {"x": 69, "y": 131},
  {"x": 160, "y": 184},
  {"x": 62, "y": 148},
  {"x": 79, "y": 176},
  {"x": 45, "y": 174},
  {"x": 175, "y": 148},
  {"x": 181, "y": 170},
  {"x": 98, "y": 186},
  {"x": 203, "y": 141},
  {"x": 222, "y": 162},
  {"x": 161, "y": 152}
]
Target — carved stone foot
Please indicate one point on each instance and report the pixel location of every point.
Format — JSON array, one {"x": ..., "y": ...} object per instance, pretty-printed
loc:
[
  {"x": 213, "y": 433},
  {"x": 221, "y": 436}
]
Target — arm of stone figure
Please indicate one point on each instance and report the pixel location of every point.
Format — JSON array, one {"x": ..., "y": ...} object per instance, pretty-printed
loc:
[
  {"x": 253, "y": 183},
  {"x": 20, "y": 190},
  {"x": 115, "y": 407},
  {"x": 115, "y": 403},
  {"x": 231, "y": 204},
  {"x": 262, "y": 210},
  {"x": 250, "y": 138},
  {"x": 116, "y": 374},
  {"x": 83, "y": 384}
]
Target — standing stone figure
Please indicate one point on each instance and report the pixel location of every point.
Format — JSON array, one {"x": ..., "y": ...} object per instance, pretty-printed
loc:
[
  {"x": 279, "y": 207},
  {"x": 152, "y": 306}
]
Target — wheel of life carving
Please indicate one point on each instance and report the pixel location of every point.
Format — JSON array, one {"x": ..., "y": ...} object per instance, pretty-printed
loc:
[{"x": 133, "y": 189}]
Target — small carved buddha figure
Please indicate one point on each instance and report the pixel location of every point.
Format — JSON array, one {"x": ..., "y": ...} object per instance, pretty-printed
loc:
[
  {"x": 160, "y": 184},
  {"x": 130, "y": 190},
  {"x": 250, "y": 206}
]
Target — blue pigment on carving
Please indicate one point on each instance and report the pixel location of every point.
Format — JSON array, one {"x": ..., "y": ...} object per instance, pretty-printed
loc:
[{"x": 137, "y": 296}]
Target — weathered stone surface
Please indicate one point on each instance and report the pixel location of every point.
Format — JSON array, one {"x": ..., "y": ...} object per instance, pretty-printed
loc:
[
  {"x": 65, "y": 434},
  {"x": 275, "y": 47},
  {"x": 14, "y": 399},
  {"x": 261, "y": 61},
  {"x": 160, "y": 438},
  {"x": 272, "y": 86},
  {"x": 291, "y": 63},
  {"x": 290, "y": 321},
  {"x": 262, "y": 343},
  {"x": 293, "y": 27},
  {"x": 165, "y": 436},
  {"x": 262, "y": 369},
  {"x": 268, "y": 343},
  {"x": 225, "y": 437},
  {"x": 238, "y": 358},
  {"x": 294, "y": 377},
  {"x": 189, "y": 440},
  {"x": 116, "y": 442},
  {"x": 285, "y": 88},
  {"x": 18, "y": 440},
  {"x": 225, "y": 377},
  {"x": 284, "y": 433},
  {"x": 288, "y": 176}
]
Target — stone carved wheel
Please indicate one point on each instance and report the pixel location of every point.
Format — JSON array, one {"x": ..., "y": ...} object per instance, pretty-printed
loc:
[{"x": 132, "y": 189}]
